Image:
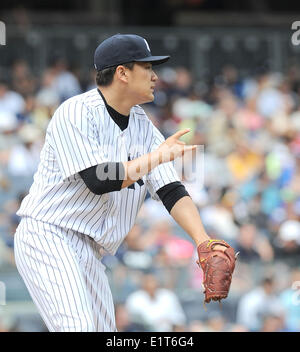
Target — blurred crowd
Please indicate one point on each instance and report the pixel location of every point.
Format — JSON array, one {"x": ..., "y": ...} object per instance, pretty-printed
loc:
[{"x": 248, "y": 194}]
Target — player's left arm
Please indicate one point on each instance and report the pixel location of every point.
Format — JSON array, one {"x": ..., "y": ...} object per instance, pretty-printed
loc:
[
  {"x": 216, "y": 257},
  {"x": 181, "y": 207},
  {"x": 186, "y": 214}
]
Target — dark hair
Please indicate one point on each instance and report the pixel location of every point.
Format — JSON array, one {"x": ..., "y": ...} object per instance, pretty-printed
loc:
[{"x": 105, "y": 77}]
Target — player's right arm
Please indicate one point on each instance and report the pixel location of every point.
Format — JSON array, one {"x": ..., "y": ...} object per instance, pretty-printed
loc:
[
  {"x": 113, "y": 176},
  {"x": 169, "y": 150}
]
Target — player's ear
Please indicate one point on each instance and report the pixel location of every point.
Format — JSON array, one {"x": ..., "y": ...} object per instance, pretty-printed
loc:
[{"x": 122, "y": 73}]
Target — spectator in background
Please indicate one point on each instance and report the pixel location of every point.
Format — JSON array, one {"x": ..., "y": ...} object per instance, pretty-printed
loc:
[
  {"x": 290, "y": 300},
  {"x": 220, "y": 124},
  {"x": 47, "y": 97},
  {"x": 178, "y": 250},
  {"x": 288, "y": 240},
  {"x": 252, "y": 245},
  {"x": 8, "y": 139},
  {"x": 243, "y": 162},
  {"x": 270, "y": 99},
  {"x": 41, "y": 105},
  {"x": 10, "y": 102},
  {"x": 8, "y": 127},
  {"x": 123, "y": 322},
  {"x": 23, "y": 81},
  {"x": 216, "y": 322},
  {"x": 230, "y": 79},
  {"x": 65, "y": 83},
  {"x": 154, "y": 306},
  {"x": 156, "y": 247},
  {"x": 260, "y": 302},
  {"x": 24, "y": 156},
  {"x": 136, "y": 251},
  {"x": 219, "y": 218},
  {"x": 273, "y": 323},
  {"x": 247, "y": 118},
  {"x": 183, "y": 81}
]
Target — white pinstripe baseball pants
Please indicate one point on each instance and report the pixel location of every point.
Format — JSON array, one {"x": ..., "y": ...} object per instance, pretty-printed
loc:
[{"x": 65, "y": 277}]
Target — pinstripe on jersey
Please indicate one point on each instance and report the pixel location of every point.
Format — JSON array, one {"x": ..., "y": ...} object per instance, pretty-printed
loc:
[
  {"x": 81, "y": 134},
  {"x": 65, "y": 277}
]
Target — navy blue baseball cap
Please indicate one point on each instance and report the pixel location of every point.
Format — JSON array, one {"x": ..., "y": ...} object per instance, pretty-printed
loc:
[{"x": 122, "y": 48}]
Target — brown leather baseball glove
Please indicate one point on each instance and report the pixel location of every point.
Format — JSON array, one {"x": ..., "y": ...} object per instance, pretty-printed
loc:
[{"x": 217, "y": 267}]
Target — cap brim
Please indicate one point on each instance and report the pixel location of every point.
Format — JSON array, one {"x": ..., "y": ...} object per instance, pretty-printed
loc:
[{"x": 155, "y": 60}]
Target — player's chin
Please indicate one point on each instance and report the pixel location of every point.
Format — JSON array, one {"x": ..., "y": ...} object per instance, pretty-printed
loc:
[
  {"x": 147, "y": 98},
  {"x": 150, "y": 97}
]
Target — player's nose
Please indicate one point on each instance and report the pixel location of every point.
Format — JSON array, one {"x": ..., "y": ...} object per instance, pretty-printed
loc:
[{"x": 154, "y": 76}]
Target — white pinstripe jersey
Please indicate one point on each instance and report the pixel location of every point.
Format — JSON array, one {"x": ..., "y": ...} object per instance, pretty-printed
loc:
[{"x": 82, "y": 134}]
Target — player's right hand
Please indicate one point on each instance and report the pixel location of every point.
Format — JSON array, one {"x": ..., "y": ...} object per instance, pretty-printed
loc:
[{"x": 172, "y": 148}]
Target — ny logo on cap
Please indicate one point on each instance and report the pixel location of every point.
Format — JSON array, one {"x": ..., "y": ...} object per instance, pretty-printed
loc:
[{"x": 147, "y": 45}]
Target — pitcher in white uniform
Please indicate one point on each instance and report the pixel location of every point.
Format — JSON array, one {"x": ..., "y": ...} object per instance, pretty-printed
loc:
[{"x": 101, "y": 155}]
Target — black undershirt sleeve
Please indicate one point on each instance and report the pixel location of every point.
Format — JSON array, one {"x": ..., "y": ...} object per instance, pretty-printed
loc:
[
  {"x": 108, "y": 177},
  {"x": 171, "y": 193},
  {"x": 104, "y": 178}
]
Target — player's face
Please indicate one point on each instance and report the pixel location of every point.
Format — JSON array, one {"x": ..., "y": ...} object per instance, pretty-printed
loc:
[{"x": 141, "y": 82}]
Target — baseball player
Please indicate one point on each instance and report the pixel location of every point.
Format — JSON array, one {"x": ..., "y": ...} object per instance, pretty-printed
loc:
[{"x": 101, "y": 155}]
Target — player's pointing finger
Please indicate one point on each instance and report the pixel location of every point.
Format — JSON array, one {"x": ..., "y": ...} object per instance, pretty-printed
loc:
[{"x": 180, "y": 133}]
